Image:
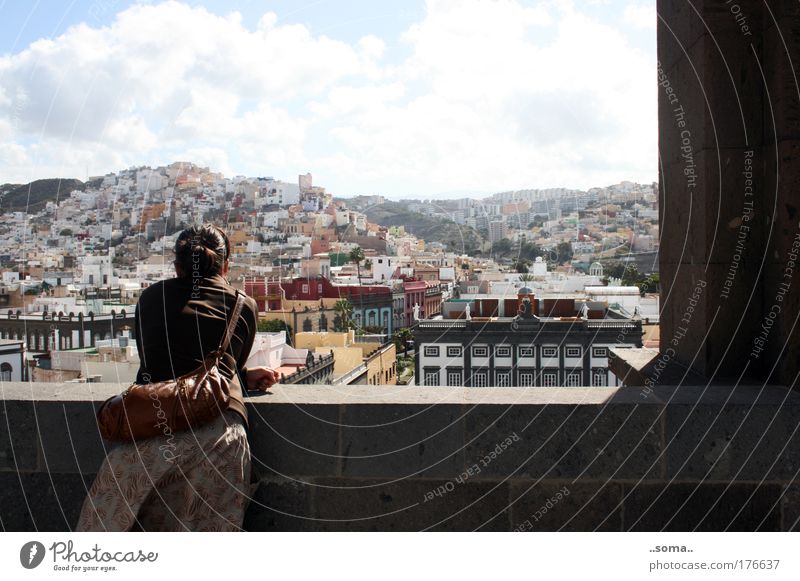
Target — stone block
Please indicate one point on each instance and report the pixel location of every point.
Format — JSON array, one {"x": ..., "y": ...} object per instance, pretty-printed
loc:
[
  {"x": 781, "y": 47},
  {"x": 566, "y": 441},
  {"x": 373, "y": 505},
  {"x": 71, "y": 441},
  {"x": 711, "y": 335},
  {"x": 283, "y": 505},
  {"x": 401, "y": 441},
  {"x": 732, "y": 442},
  {"x": 42, "y": 502},
  {"x": 715, "y": 221},
  {"x": 678, "y": 29},
  {"x": 790, "y": 508},
  {"x": 701, "y": 507},
  {"x": 19, "y": 441},
  {"x": 294, "y": 440},
  {"x": 566, "y": 506}
]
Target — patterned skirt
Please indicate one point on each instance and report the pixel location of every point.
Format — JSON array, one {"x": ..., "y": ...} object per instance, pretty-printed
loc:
[{"x": 198, "y": 480}]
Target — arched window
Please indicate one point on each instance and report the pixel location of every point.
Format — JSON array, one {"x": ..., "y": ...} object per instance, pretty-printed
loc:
[
  {"x": 5, "y": 371},
  {"x": 307, "y": 325}
]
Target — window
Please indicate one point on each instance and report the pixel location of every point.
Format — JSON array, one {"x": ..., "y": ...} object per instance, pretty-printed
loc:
[
  {"x": 480, "y": 352},
  {"x": 454, "y": 378},
  {"x": 599, "y": 378},
  {"x": 431, "y": 377},
  {"x": 431, "y": 351},
  {"x": 550, "y": 379},
  {"x": 5, "y": 372},
  {"x": 454, "y": 351},
  {"x": 480, "y": 379},
  {"x": 599, "y": 352},
  {"x": 502, "y": 351},
  {"x": 526, "y": 379},
  {"x": 573, "y": 351},
  {"x": 502, "y": 378},
  {"x": 305, "y": 289},
  {"x": 526, "y": 351},
  {"x": 574, "y": 379},
  {"x": 549, "y": 351}
]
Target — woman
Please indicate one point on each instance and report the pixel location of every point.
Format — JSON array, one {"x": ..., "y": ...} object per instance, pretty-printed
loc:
[{"x": 197, "y": 480}]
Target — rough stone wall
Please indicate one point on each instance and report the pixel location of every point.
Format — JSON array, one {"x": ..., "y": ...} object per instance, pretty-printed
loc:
[
  {"x": 375, "y": 458},
  {"x": 729, "y": 123}
]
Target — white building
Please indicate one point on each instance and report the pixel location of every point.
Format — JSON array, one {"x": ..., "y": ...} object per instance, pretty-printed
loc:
[
  {"x": 12, "y": 360},
  {"x": 383, "y": 267},
  {"x": 271, "y": 350},
  {"x": 97, "y": 271}
]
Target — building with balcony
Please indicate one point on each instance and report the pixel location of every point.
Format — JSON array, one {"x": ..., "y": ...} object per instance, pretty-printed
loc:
[{"x": 526, "y": 349}]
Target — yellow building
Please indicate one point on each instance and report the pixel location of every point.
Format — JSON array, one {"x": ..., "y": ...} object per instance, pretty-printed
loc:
[{"x": 375, "y": 362}]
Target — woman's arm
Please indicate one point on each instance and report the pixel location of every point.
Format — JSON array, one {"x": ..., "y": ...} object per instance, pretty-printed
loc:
[
  {"x": 256, "y": 378},
  {"x": 260, "y": 378}
]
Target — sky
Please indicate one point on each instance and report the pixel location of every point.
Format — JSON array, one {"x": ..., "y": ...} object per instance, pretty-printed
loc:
[{"x": 436, "y": 98}]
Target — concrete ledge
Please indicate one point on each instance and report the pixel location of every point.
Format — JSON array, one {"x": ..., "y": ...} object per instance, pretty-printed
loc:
[{"x": 412, "y": 458}]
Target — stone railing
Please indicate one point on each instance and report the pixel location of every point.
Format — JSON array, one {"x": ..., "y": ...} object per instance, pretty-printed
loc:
[{"x": 416, "y": 458}]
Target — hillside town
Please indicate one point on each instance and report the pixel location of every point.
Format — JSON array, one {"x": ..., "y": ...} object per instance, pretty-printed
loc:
[{"x": 526, "y": 288}]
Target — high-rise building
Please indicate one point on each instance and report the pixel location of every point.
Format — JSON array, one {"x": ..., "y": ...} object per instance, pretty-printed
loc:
[{"x": 497, "y": 230}]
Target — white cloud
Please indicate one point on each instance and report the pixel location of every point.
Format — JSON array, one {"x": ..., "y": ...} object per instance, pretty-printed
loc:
[
  {"x": 491, "y": 94},
  {"x": 641, "y": 15}
]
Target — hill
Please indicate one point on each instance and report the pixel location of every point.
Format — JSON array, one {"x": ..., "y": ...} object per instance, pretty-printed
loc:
[
  {"x": 456, "y": 238},
  {"x": 34, "y": 196}
]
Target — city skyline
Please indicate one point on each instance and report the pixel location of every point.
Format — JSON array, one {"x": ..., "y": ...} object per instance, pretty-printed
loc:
[{"x": 421, "y": 100}]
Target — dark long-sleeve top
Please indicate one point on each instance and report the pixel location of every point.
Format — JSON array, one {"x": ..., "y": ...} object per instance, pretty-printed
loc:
[{"x": 180, "y": 320}]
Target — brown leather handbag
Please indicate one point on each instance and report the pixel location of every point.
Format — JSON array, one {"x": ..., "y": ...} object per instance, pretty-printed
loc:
[{"x": 162, "y": 408}]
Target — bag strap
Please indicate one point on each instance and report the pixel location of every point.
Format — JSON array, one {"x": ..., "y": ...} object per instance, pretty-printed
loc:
[{"x": 237, "y": 311}]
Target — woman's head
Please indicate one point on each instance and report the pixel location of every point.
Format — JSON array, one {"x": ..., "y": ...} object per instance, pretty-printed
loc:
[{"x": 202, "y": 251}]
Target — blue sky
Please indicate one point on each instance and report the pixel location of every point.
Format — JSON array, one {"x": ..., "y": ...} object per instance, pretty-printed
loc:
[
  {"x": 392, "y": 97},
  {"x": 25, "y": 22}
]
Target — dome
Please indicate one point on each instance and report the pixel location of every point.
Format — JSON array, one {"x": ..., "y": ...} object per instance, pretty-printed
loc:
[{"x": 526, "y": 290}]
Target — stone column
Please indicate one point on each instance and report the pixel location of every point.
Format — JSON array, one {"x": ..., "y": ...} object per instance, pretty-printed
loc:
[{"x": 729, "y": 166}]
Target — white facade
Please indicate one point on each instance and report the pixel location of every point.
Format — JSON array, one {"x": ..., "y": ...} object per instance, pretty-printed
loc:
[
  {"x": 271, "y": 350},
  {"x": 12, "y": 363},
  {"x": 281, "y": 193},
  {"x": 97, "y": 271},
  {"x": 537, "y": 365},
  {"x": 383, "y": 267}
]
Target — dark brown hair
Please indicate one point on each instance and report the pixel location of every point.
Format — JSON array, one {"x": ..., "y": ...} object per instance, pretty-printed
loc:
[{"x": 202, "y": 250}]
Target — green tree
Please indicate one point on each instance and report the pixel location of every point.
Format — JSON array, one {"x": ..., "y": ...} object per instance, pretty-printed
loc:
[
  {"x": 631, "y": 276},
  {"x": 651, "y": 283},
  {"x": 529, "y": 251},
  {"x": 401, "y": 339},
  {"x": 343, "y": 320},
  {"x": 357, "y": 256},
  {"x": 501, "y": 248},
  {"x": 276, "y": 326},
  {"x": 563, "y": 252}
]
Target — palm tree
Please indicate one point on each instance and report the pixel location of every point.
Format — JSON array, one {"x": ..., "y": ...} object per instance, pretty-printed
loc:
[
  {"x": 357, "y": 256},
  {"x": 344, "y": 312}
]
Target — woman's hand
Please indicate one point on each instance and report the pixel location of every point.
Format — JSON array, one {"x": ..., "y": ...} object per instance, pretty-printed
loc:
[{"x": 261, "y": 378}]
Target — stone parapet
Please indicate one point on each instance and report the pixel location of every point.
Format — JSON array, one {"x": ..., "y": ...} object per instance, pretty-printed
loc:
[{"x": 414, "y": 458}]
